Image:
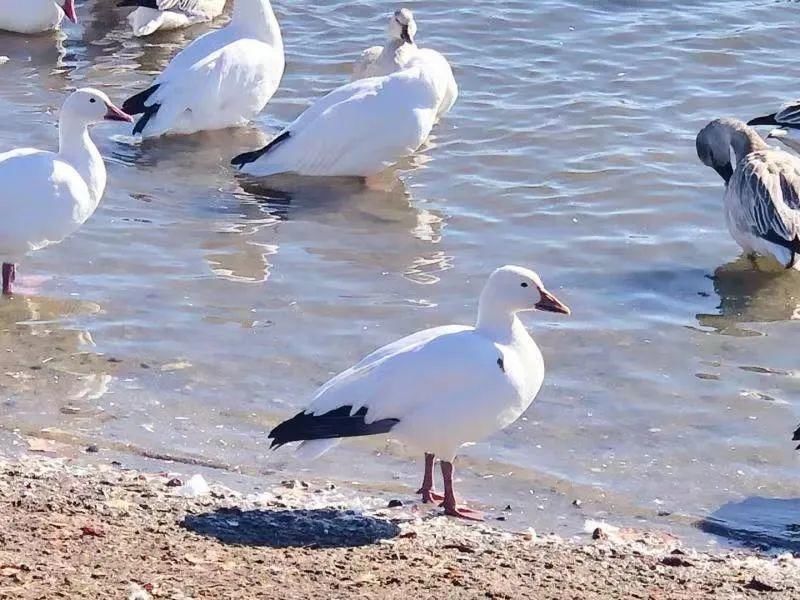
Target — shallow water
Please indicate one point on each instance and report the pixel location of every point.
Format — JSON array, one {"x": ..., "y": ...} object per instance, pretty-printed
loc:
[{"x": 191, "y": 313}]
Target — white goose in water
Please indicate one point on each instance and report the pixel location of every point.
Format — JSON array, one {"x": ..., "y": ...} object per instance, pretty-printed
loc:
[
  {"x": 440, "y": 388},
  {"x": 46, "y": 196},
  {"x": 35, "y": 16},
  {"x": 762, "y": 189},
  {"x": 222, "y": 79},
  {"x": 398, "y": 52},
  {"x": 357, "y": 130},
  {"x": 150, "y": 16}
]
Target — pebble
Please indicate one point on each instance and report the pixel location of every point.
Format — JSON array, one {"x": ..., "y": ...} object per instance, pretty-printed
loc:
[
  {"x": 577, "y": 503},
  {"x": 174, "y": 482},
  {"x": 395, "y": 503},
  {"x": 92, "y": 448}
]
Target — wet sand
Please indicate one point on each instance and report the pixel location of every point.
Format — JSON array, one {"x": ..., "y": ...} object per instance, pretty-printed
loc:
[{"x": 100, "y": 531}]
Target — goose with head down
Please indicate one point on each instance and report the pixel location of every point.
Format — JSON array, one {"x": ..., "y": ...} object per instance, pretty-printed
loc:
[
  {"x": 439, "y": 388},
  {"x": 762, "y": 189}
]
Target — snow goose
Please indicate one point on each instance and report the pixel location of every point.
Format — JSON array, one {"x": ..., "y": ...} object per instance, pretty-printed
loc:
[
  {"x": 46, "y": 196},
  {"x": 358, "y": 129},
  {"x": 440, "y": 388},
  {"x": 762, "y": 189},
  {"x": 150, "y": 16},
  {"x": 35, "y": 16},
  {"x": 222, "y": 79},
  {"x": 399, "y": 50}
]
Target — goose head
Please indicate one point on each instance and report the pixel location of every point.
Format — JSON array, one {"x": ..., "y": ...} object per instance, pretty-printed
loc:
[
  {"x": 402, "y": 26},
  {"x": 713, "y": 146},
  {"x": 513, "y": 289},
  {"x": 88, "y": 106}
]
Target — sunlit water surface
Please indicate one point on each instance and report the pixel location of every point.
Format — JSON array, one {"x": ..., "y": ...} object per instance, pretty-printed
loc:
[{"x": 192, "y": 312}]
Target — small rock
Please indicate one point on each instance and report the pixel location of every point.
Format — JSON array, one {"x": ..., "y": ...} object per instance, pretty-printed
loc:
[
  {"x": 174, "y": 482},
  {"x": 664, "y": 513},
  {"x": 92, "y": 448},
  {"x": 88, "y": 530},
  {"x": 70, "y": 410},
  {"x": 196, "y": 486},
  {"x": 395, "y": 503},
  {"x": 501, "y": 518},
  {"x": 599, "y": 534},
  {"x": 759, "y": 586},
  {"x": 507, "y": 508},
  {"x": 577, "y": 503},
  {"x": 461, "y": 547},
  {"x": 675, "y": 561}
]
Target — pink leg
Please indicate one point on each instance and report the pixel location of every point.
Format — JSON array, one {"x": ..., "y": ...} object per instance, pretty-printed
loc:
[
  {"x": 9, "y": 275},
  {"x": 427, "y": 491},
  {"x": 449, "y": 504}
]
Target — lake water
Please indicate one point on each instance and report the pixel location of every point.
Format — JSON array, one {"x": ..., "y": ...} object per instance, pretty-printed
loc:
[{"x": 189, "y": 315}]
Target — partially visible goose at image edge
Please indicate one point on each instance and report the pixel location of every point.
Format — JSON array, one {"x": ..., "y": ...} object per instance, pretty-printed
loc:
[
  {"x": 786, "y": 122},
  {"x": 46, "y": 196},
  {"x": 222, "y": 79},
  {"x": 439, "y": 388},
  {"x": 359, "y": 129},
  {"x": 35, "y": 16},
  {"x": 150, "y": 16},
  {"x": 398, "y": 52},
  {"x": 762, "y": 189}
]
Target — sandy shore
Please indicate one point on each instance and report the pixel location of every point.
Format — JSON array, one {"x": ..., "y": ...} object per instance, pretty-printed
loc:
[{"x": 69, "y": 531}]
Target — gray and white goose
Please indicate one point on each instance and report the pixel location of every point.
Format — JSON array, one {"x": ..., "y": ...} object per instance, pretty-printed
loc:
[
  {"x": 762, "y": 189},
  {"x": 786, "y": 123}
]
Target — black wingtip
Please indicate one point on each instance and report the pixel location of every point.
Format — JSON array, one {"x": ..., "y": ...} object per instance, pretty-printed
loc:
[
  {"x": 796, "y": 436},
  {"x": 337, "y": 423},
  {"x": 765, "y": 120},
  {"x": 247, "y": 157},
  {"x": 135, "y": 105},
  {"x": 143, "y": 3}
]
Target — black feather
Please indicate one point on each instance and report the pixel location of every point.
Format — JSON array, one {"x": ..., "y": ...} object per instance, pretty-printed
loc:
[
  {"x": 765, "y": 120},
  {"x": 144, "y": 3},
  {"x": 248, "y": 157},
  {"x": 135, "y": 105},
  {"x": 796, "y": 436},
  {"x": 336, "y": 423}
]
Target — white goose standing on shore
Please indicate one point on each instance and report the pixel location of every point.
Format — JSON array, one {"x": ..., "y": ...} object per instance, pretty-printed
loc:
[
  {"x": 35, "y": 16},
  {"x": 150, "y": 16},
  {"x": 357, "y": 130},
  {"x": 398, "y": 52},
  {"x": 440, "y": 388},
  {"x": 46, "y": 196},
  {"x": 762, "y": 189},
  {"x": 222, "y": 79}
]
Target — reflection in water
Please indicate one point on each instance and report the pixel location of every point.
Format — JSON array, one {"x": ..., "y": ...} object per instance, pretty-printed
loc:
[
  {"x": 751, "y": 293},
  {"x": 42, "y": 357},
  {"x": 348, "y": 204}
]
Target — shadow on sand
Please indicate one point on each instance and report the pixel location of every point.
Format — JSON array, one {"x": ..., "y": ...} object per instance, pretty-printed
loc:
[
  {"x": 757, "y": 522},
  {"x": 318, "y": 528}
]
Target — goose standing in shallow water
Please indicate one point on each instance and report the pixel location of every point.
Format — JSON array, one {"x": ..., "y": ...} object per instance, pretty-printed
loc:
[
  {"x": 762, "y": 189},
  {"x": 46, "y": 196},
  {"x": 357, "y": 130},
  {"x": 150, "y": 16},
  {"x": 222, "y": 79},
  {"x": 35, "y": 16},
  {"x": 399, "y": 51},
  {"x": 439, "y": 388}
]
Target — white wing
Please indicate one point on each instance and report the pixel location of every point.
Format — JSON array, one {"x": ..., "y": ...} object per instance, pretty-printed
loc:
[
  {"x": 363, "y": 65},
  {"x": 445, "y": 79},
  {"x": 357, "y": 130},
  {"x": 221, "y": 88},
  {"x": 42, "y": 200}
]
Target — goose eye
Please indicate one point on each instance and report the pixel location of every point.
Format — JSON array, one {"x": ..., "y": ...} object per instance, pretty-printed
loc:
[
  {"x": 524, "y": 284},
  {"x": 92, "y": 100}
]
